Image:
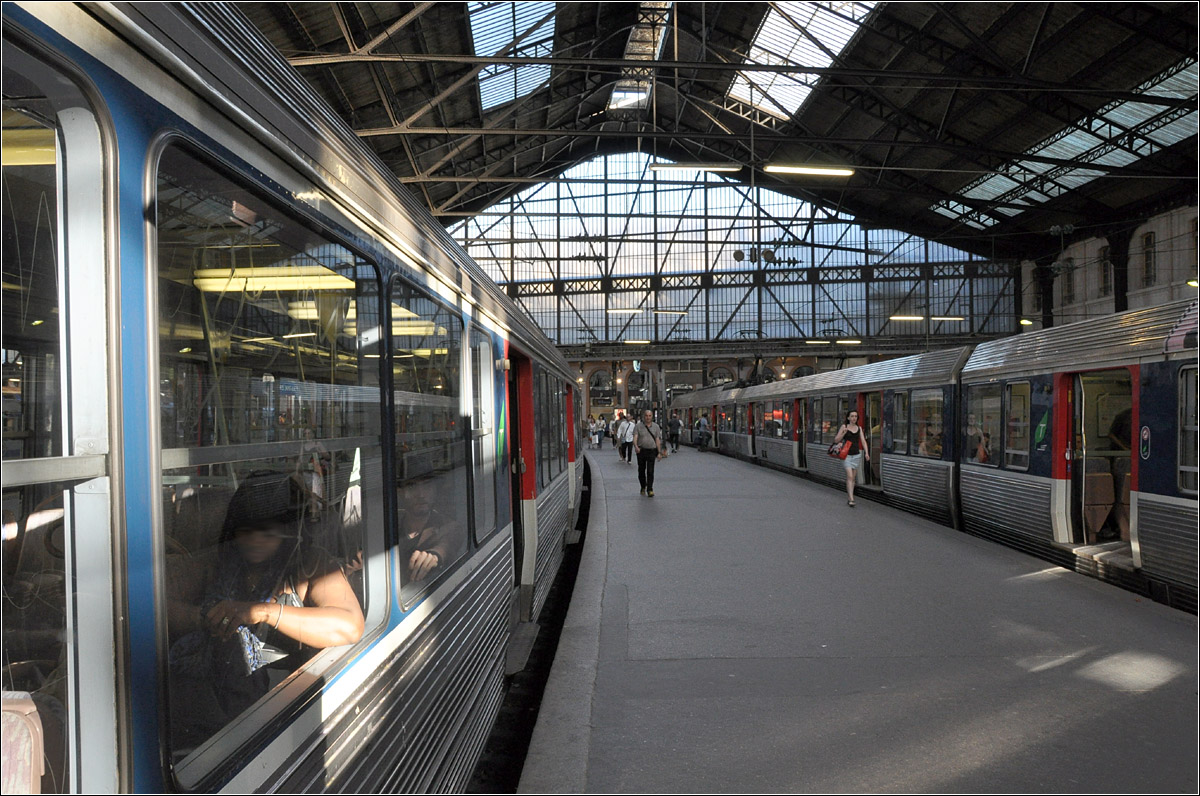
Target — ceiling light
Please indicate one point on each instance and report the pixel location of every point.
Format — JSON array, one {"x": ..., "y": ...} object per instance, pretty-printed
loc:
[
  {"x": 947, "y": 318},
  {"x": 849, "y": 342},
  {"x": 299, "y": 334},
  {"x": 670, "y": 312},
  {"x": 637, "y": 342},
  {"x": 255, "y": 279},
  {"x": 907, "y": 318},
  {"x": 820, "y": 171},
  {"x": 1026, "y": 322},
  {"x": 817, "y": 342},
  {"x": 626, "y": 311},
  {"x": 1193, "y": 283}
]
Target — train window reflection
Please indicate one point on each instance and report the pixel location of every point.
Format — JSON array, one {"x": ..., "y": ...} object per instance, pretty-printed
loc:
[
  {"x": 927, "y": 409},
  {"x": 431, "y": 438},
  {"x": 1016, "y": 442},
  {"x": 484, "y": 439},
  {"x": 981, "y": 434},
  {"x": 900, "y": 422},
  {"x": 270, "y": 416}
]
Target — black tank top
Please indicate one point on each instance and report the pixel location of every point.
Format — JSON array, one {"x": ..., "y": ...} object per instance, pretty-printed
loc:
[{"x": 855, "y": 444}]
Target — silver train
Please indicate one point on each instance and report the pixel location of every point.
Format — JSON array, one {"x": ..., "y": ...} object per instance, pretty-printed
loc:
[
  {"x": 283, "y": 469},
  {"x": 1077, "y": 443}
]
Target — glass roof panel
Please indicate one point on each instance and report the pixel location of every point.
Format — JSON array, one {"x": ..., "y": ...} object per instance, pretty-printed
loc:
[
  {"x": 494, "y": 27},
  {"x": 795, "y": 34},
  {"x": 1118, "y": 134}
]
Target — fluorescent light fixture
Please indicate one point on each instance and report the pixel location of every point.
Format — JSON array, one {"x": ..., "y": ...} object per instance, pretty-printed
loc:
[
  {"x": 38, "y": 322},
  {"x": 817, "y": 342},
  {"x": 1026, "y": 322},
  {"x": 819, "y": 171},
  {"x": 185, "y": 350},
  {"x": 626, "y": 311},
  {"x": 258, "y": 339},
  {"x": 637, "y": 342},
  {"x": 849, "y": 342},
  {"x": 907, "y": 318},
  {"x": 1193, "y": 283},
  {"x": 670, "y": 312},
  {"x": 723, "y": 167},
  {"x": 299, "y": 334},
  {"x": 947, "y": 318},
  {"x": 255, "y": 279}
]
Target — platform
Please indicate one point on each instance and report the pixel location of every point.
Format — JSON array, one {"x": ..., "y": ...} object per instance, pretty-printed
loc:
[{"x": 745, "y": 630}]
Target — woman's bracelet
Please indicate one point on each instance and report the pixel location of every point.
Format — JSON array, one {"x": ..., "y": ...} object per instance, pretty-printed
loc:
[{"x": 278, "y": 617}]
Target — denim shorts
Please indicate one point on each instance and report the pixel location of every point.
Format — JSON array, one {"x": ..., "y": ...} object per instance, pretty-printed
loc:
[{"x": 852, "y": 463}]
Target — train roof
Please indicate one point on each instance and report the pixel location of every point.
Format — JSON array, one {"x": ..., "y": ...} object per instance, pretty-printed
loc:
[
  {"x": 708, "y": 396},
  {"x": 215, "y": 51},
  {"x": 1110, "y": 340},
  {"x": 928, "y": 369}
]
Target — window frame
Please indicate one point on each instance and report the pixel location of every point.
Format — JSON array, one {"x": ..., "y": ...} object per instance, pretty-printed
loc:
[
  {"x": 1187, "y": 378},
  {"x": 902, "y": 423},
  {"x": 923, "y": 396},
  {"x": 223, "y": 750},
  {"x": 1011, "y": 454}
]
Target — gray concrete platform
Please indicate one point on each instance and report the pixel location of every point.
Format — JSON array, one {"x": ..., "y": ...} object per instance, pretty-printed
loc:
[{"x": 747, "y": 631}]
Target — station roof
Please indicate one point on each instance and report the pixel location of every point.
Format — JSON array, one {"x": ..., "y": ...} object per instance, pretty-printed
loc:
[{"x": 991, "y": 123}]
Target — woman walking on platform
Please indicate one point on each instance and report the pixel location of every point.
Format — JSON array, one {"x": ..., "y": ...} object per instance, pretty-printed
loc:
[{"x": 858, "y": 451}]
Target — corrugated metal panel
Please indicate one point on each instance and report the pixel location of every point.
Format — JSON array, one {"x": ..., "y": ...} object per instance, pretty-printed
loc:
[
  {"x": 399, "y": 731},
  {"x": 823, "y": 466},
  {"x": 553, "y": 517},
  {"x": 1167, "y": 539},
  {"x": 996, "y": 500},
  {"x": 777, "y": 451},
  {"x": 920, "y": 485},
  {"x": 1092, "y": 343}
]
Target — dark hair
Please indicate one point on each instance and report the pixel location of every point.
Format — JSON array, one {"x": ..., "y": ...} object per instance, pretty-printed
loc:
[{"x": 263, "y": 499}]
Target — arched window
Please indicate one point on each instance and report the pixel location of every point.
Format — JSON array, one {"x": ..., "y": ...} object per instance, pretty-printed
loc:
[
  {"x": 720, "y": 376},
  {"x": 803, "y": 370},
  {"x": 600, "y": 380}
]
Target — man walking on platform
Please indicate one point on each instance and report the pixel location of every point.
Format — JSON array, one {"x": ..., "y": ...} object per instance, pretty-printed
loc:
[
  {"x": 648, "y": 439},
  {"x": 674, "y": 426},
  {"x": 625, "y": 432}
]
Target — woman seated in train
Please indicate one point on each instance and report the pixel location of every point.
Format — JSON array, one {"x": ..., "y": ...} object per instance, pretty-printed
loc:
[
  {"x": 429, "y": 540},
  {"x": 266, "y": 601}
]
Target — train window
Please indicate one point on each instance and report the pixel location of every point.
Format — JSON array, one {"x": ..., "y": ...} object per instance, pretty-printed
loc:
[
  {"x": 832, "y": 418},
  {"x": 1016, "y": 435},
  {"x": 1187, "y": 430},
  {"x": 927, "y": 408},
  {"x": 484, "y": 439},
  {"x": 270, "y": 426},
  {"x": 431, "y": 439},
  {"x": 900, "y": 422},
  {"x": 981, "y": 434},
  {"x": 58, "y": 643}
]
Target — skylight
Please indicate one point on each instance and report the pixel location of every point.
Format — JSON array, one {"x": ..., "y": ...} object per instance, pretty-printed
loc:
[
  {"x": 494, "y": 28},
  {"x": 645, "y": 43},
  {"x": 795, "y": 34},
  {"x": 1118, "y": 134}
]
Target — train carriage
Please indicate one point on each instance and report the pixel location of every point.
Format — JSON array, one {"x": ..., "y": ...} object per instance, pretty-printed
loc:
[
  {"x": 1079, "y": 442},
  {"x": 219, "y": 308},
  {"x": 695, "y": 405}
]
